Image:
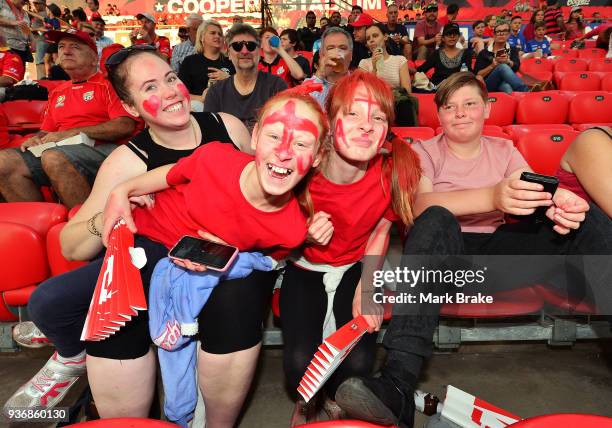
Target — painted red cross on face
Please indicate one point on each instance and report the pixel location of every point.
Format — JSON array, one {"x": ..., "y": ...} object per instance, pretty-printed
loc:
[{"x": 291, "y": 123}]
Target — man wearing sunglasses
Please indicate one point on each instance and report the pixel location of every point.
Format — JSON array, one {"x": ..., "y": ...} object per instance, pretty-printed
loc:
[
  {"x": 245, "y": 92},
  {"x": 87, "y": 104}
]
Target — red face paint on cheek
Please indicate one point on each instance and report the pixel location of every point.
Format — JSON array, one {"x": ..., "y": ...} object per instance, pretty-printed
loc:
[
  {"x": 340, "y": 139},
  {"x": 382, "y": 138},
  {"x": 151, "y": 105},
  {"x": 183, "y": 89},
  {"x": 303, "y": 164}
]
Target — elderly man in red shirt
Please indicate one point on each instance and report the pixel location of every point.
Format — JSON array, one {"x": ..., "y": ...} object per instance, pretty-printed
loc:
[{"x": 87, "y": 104}]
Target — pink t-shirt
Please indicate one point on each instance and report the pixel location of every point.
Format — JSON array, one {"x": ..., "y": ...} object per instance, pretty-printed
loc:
[{"x": 497, "y": 160}]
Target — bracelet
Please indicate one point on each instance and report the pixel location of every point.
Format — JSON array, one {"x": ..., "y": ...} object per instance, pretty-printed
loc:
[{"x": 91, "y": 225}]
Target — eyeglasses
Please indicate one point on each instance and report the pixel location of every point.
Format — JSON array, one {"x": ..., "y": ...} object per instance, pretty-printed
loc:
[
  {"x": 501, "y": 32},
  {"x": 237, "y": 46},
  {"x": 118, "y": 57}
]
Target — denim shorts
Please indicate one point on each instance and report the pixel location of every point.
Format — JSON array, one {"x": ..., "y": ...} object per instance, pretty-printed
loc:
[{"x": 85, "y": 159}]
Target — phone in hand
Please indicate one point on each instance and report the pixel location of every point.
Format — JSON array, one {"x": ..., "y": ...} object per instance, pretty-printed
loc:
[
  {"x": 211, "y": 254},
  {"x": 550, "y": 184},
  {"x": 501, "y": 52}
]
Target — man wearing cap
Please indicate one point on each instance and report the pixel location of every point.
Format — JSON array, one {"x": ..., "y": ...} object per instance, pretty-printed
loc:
[
  {"x": 102, "y": 41},
  {"x": 146, "y": 35},
  {"x": 360, "y": 50},
  {"x": 428, "y": 32},
  {"x": 398, "y": 42},
  {"x": 87, "y": 104},
  {"x": 186, "y": 48}
]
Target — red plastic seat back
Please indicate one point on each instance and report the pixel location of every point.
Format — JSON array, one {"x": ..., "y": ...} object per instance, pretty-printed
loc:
[
  {"x": 592, "y": 107},
  {"x": 57, "y": 262},
  {"x": 565, "y": 53},
  {"x": 591, "y": 53},
  {"x": 601, "y": 64},
  {"x": 503, "y": 107},
  {"x": 542, "y": 107},
  {"x": 23, "y": 256},
  {"x": 40, "y": 216},
  {"x": 21, "y": 112},
  {"x": 571, "y": 64},
  {"x": 544, "y": 149},
  {"x": 565, "y": 421},
  {"x": 580, "y": 81},
  {"x": 428, "y": 112},
  {"x": 536, "y": 64},
  {"x": 4, "y": 135},
  {"x": 517, "y": 131},
  {"x": 412, "y": 134},
  {"x": 606, "y": 82}
]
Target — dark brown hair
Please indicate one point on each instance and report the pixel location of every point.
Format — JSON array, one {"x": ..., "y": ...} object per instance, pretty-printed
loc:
[{"x": 118, "y": 75}]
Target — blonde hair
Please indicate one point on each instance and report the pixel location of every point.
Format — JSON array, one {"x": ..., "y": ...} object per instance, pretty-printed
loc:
[{"x": 201, "y": 30}]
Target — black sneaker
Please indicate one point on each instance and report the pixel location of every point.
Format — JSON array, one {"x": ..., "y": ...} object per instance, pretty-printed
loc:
[{"x": 377, "y": 400}]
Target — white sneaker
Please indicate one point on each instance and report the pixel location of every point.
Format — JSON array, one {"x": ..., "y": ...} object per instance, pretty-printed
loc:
[
  {"x": 49, "y": 386},
  {"x": 28, "y": 335}
]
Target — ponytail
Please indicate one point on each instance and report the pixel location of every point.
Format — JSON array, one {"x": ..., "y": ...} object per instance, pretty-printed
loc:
[{"x": 403, "y": 168}]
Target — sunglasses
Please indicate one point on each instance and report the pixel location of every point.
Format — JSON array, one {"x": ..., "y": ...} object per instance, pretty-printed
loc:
[
  {"x": 502, "y": 31},
  {"x": 118, "y": 57},
  {"x": 237, "y": 46}
]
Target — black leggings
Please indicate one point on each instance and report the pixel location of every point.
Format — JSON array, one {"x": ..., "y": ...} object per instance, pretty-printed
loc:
[{"x": 303, "y": 303}]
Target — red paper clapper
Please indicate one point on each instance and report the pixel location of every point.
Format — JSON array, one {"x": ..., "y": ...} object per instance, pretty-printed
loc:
[
  {"x": 332, "y": 351},
  {"x": 119, "y": 294},
  {"x": 469, "y": 411}
]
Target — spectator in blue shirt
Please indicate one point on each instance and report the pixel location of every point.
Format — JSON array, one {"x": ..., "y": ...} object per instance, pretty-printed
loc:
[
  {"x": 516, "y": 39},
  {"x": 540, "y": 46}
]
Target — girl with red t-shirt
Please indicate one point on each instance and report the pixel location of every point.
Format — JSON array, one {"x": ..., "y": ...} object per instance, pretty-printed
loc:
[
  {"x": 365, "y": 181},
  {"x": 246, "y": 201}
]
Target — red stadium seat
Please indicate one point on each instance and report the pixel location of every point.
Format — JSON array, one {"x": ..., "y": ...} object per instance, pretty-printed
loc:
[
  {"x": 584, "y": 126},
  {"x": 74, "y": 210},
  {"x": 306, "y": 54},
  {"x": 561, "y": 300},
  {"x": 523, "y": 301},
  {"x": 428, "y": 112},
  {"x": 542, "y": 107},
  {"x": 565, "y": 53},
  {"x": 571, "y": 64},
  {"x": 606, "y": 82},
  {"x": 601, "y": 64},
  {"x": 126, "y": 423},
  {"x": 503, "y": 107},
  {"x": 517, "y": 131},
  {"x": 536, "y": 64},
  {"x": 485, "y": 129},
  {"x": 4, "y": 134},
  {"x": 591, "y": 53},
  {"x": 592, "y": 107},
  {"x": 57, "y": 262},
  {"x": 23, "y": 254},
  {"x": 411, "y": 134},
  {"x": 579, "y": 81},
  {"x": 24, "y": 116},
  {"x": 544, "y": 149},
  {"x": 565, "y": 421}
]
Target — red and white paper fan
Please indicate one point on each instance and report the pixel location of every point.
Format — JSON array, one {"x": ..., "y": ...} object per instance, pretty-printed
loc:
[
  {"x": 118, "y": 295},
  {"x": 330, "y": 354},
  {"x": 469, "y": 411}
]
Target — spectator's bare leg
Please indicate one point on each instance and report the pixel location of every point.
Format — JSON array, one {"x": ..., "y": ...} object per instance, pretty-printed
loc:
[
  {"x": 69, "y": 185},
  {"x": 16, "y": 183},
  {"x": 225, "y": 380},
  {"x": 122, "y": 388}
]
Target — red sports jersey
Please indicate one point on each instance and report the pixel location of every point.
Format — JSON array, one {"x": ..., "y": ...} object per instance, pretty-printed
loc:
[
  {"x": 161, "y": 43},
  {"x": 11, "y": 66},
  {"x": 355, "y": 211},
  {"x": 278, "y": 67},
  {"x": 89, "y": 103},
  {"x": 209, "y": 180}
]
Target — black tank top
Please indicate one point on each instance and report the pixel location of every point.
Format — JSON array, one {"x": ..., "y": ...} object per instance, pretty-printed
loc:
[{"x": 154, "y": 155}]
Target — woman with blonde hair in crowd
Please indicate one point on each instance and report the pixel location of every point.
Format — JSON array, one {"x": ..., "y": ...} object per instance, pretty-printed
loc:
[{"x": 208, "y": 65}]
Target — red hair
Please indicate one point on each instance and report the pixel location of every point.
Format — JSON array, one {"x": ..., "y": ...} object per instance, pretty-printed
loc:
[{"x": 401, "y": 164}]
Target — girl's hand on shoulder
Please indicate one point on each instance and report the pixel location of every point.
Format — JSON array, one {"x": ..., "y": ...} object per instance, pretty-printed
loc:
[{"x": 320, "y": 229}]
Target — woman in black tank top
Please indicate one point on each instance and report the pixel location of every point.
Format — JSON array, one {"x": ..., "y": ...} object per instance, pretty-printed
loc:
[{"x": 149, "y": 89}]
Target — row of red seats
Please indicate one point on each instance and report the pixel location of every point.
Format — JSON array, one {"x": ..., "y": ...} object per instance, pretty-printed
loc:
[
  {"x": 534, "y": 107},
  {"x": 591, "y": 52},
  {"x": 566, "y": 64}
]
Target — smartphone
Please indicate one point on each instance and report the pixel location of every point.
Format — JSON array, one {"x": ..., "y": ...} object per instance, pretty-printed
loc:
[
  {"x": 501, "y": 52},
  {"x": 207, "y": 253},
  {"x": 550, "y": 184}
]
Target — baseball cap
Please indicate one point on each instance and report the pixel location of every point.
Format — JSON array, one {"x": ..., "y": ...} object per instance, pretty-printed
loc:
[
  {"x": 146, "y": 15},
  {"x": 431, "y": 7},
  {"x": 576, "y": 9},
  {"x": 193, "y": 17},
  {"x": 362, "y": 20},
  {"x": 55, "y": 36},
  {"x": 450, "y": 28}
]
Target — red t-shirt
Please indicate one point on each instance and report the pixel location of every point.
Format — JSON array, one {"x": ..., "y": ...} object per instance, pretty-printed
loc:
[
  {"x": 89, "y": 103},
  {"x": 11, "y": 66},
  {"x": 205, "y": 195},
  {"x": 278, "y": 67},
  {"x": 161, "y": 43},
  {"x": 355, "y": 211},
  {"x": 488, "y": 32}
]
